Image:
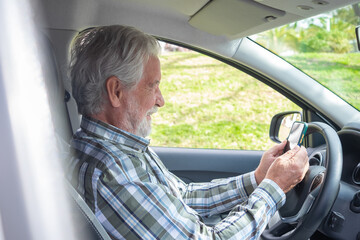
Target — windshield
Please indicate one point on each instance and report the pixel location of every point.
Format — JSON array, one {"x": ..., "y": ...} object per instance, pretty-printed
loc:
[{"x": 324, "y": 47}]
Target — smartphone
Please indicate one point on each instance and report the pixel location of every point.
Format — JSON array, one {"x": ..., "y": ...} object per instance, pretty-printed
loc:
[{"x": 296, "y": 135}]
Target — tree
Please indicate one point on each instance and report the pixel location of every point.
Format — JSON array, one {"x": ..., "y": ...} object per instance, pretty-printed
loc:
[
  {"x": 328, "y": 34},
  {"x": 278, "y": 39}
]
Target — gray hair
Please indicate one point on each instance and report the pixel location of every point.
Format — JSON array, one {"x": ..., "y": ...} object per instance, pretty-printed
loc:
[{"x": 102, "y": 52}]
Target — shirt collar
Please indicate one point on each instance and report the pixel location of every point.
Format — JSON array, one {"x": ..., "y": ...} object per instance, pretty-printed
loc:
[{"x": 109, "y": 132}]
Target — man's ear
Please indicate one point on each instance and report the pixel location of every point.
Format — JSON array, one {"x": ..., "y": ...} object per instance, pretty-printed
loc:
[{"x": 114, "y": 90}]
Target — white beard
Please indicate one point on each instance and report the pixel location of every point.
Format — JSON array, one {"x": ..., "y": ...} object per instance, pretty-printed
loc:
[{"x": 144, "y": 127}]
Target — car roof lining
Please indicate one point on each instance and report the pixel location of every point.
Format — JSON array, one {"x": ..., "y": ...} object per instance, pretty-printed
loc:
[
  {"x": 254, "y": 16},
  {"x": 231, "y": 18}
]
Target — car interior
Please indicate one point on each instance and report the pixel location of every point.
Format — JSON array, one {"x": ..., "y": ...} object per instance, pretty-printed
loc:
[
  {"x": 330, "y": 209},
  {"x": 223, "y": 24}
]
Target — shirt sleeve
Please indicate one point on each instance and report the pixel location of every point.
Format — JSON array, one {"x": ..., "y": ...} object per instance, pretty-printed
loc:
[
  {"x": 219, "y": 195},
  {"x": 138, "y": 210}
]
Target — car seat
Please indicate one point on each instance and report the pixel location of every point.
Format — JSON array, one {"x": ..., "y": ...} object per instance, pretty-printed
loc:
[{"x": 87, "y": 226}]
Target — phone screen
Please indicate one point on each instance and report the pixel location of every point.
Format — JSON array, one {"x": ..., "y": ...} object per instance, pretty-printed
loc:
[{"x": 296, "y": 135}]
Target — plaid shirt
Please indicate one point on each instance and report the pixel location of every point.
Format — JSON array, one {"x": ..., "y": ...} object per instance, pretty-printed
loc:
[{"x": 134, "y": 196}]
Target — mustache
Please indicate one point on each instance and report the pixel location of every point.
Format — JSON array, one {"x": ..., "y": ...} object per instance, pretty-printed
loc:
[{"x": 153, "y": 110}]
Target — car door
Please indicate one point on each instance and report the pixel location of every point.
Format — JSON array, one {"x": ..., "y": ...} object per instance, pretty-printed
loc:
[{"x": 204, "y": 165}]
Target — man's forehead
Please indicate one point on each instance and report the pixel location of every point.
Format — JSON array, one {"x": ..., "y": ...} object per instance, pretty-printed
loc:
[
  {"x": 153, "y": 67},
  {"x": 152, "y": 71}
]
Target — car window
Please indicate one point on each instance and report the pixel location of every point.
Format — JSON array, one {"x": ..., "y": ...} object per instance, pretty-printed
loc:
[{"x": 209, "y": 104}]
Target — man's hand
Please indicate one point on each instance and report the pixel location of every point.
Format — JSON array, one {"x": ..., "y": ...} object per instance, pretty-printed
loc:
[
  {"x": 289, "y": 169},
  {"x": 267, "y": 159}
]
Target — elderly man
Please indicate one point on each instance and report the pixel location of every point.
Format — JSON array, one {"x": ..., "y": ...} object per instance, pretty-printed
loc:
[{"x": 115, "y": 74}]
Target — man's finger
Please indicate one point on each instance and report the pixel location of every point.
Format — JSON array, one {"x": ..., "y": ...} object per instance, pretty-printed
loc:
[
  {"x": 277, "y": 150},
  {"x": 302, "y": 153}
]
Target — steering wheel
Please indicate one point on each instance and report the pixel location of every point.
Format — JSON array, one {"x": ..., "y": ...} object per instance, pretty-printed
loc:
[{"x": 310, "y": 201}]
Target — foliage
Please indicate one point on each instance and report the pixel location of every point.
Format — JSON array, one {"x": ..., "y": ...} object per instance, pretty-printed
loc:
[
  {"x": 328, "y": 35},
  {"x": 279, "y": 39}
]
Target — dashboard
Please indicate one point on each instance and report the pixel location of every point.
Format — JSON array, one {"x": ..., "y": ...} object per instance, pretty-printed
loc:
[{"x": 343, "y": 222}]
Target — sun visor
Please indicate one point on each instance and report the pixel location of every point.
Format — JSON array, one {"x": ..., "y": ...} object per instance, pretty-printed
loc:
[{"x": 231, "y": 17}]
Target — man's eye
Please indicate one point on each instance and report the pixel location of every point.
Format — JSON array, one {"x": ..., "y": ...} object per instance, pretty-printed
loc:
[{"x": 155, "y": 84}]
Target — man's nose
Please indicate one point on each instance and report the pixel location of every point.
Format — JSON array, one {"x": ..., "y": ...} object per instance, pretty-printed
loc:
[{"x": 160, "y": 99}]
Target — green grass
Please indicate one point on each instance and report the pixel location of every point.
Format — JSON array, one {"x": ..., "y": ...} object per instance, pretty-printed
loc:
[
  {"x": 338, "y": 72},
  {"x": 211, "y": 105}
]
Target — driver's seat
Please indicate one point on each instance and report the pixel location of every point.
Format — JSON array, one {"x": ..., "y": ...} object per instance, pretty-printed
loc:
[{"x": 87, "y": 225}]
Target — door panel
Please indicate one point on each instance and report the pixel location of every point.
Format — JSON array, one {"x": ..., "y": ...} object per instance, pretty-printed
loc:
[{"x": 203, "y": 165}]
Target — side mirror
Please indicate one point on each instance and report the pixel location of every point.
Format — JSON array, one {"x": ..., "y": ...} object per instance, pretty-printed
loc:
[
  {"x": 357, "y": 31},
  {"x": 281, "y": 124}
]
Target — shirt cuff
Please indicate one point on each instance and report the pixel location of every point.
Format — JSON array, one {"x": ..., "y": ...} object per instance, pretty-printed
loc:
[
  {"x": 246, "y": 184},
  {"x": 272, "y": 194},
  {"x": 253, "y": 179}
]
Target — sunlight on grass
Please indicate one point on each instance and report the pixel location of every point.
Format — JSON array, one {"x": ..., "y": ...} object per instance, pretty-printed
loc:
[
  {"x": 338, "y": 72},
  {"x": 211, "y": 105}
]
